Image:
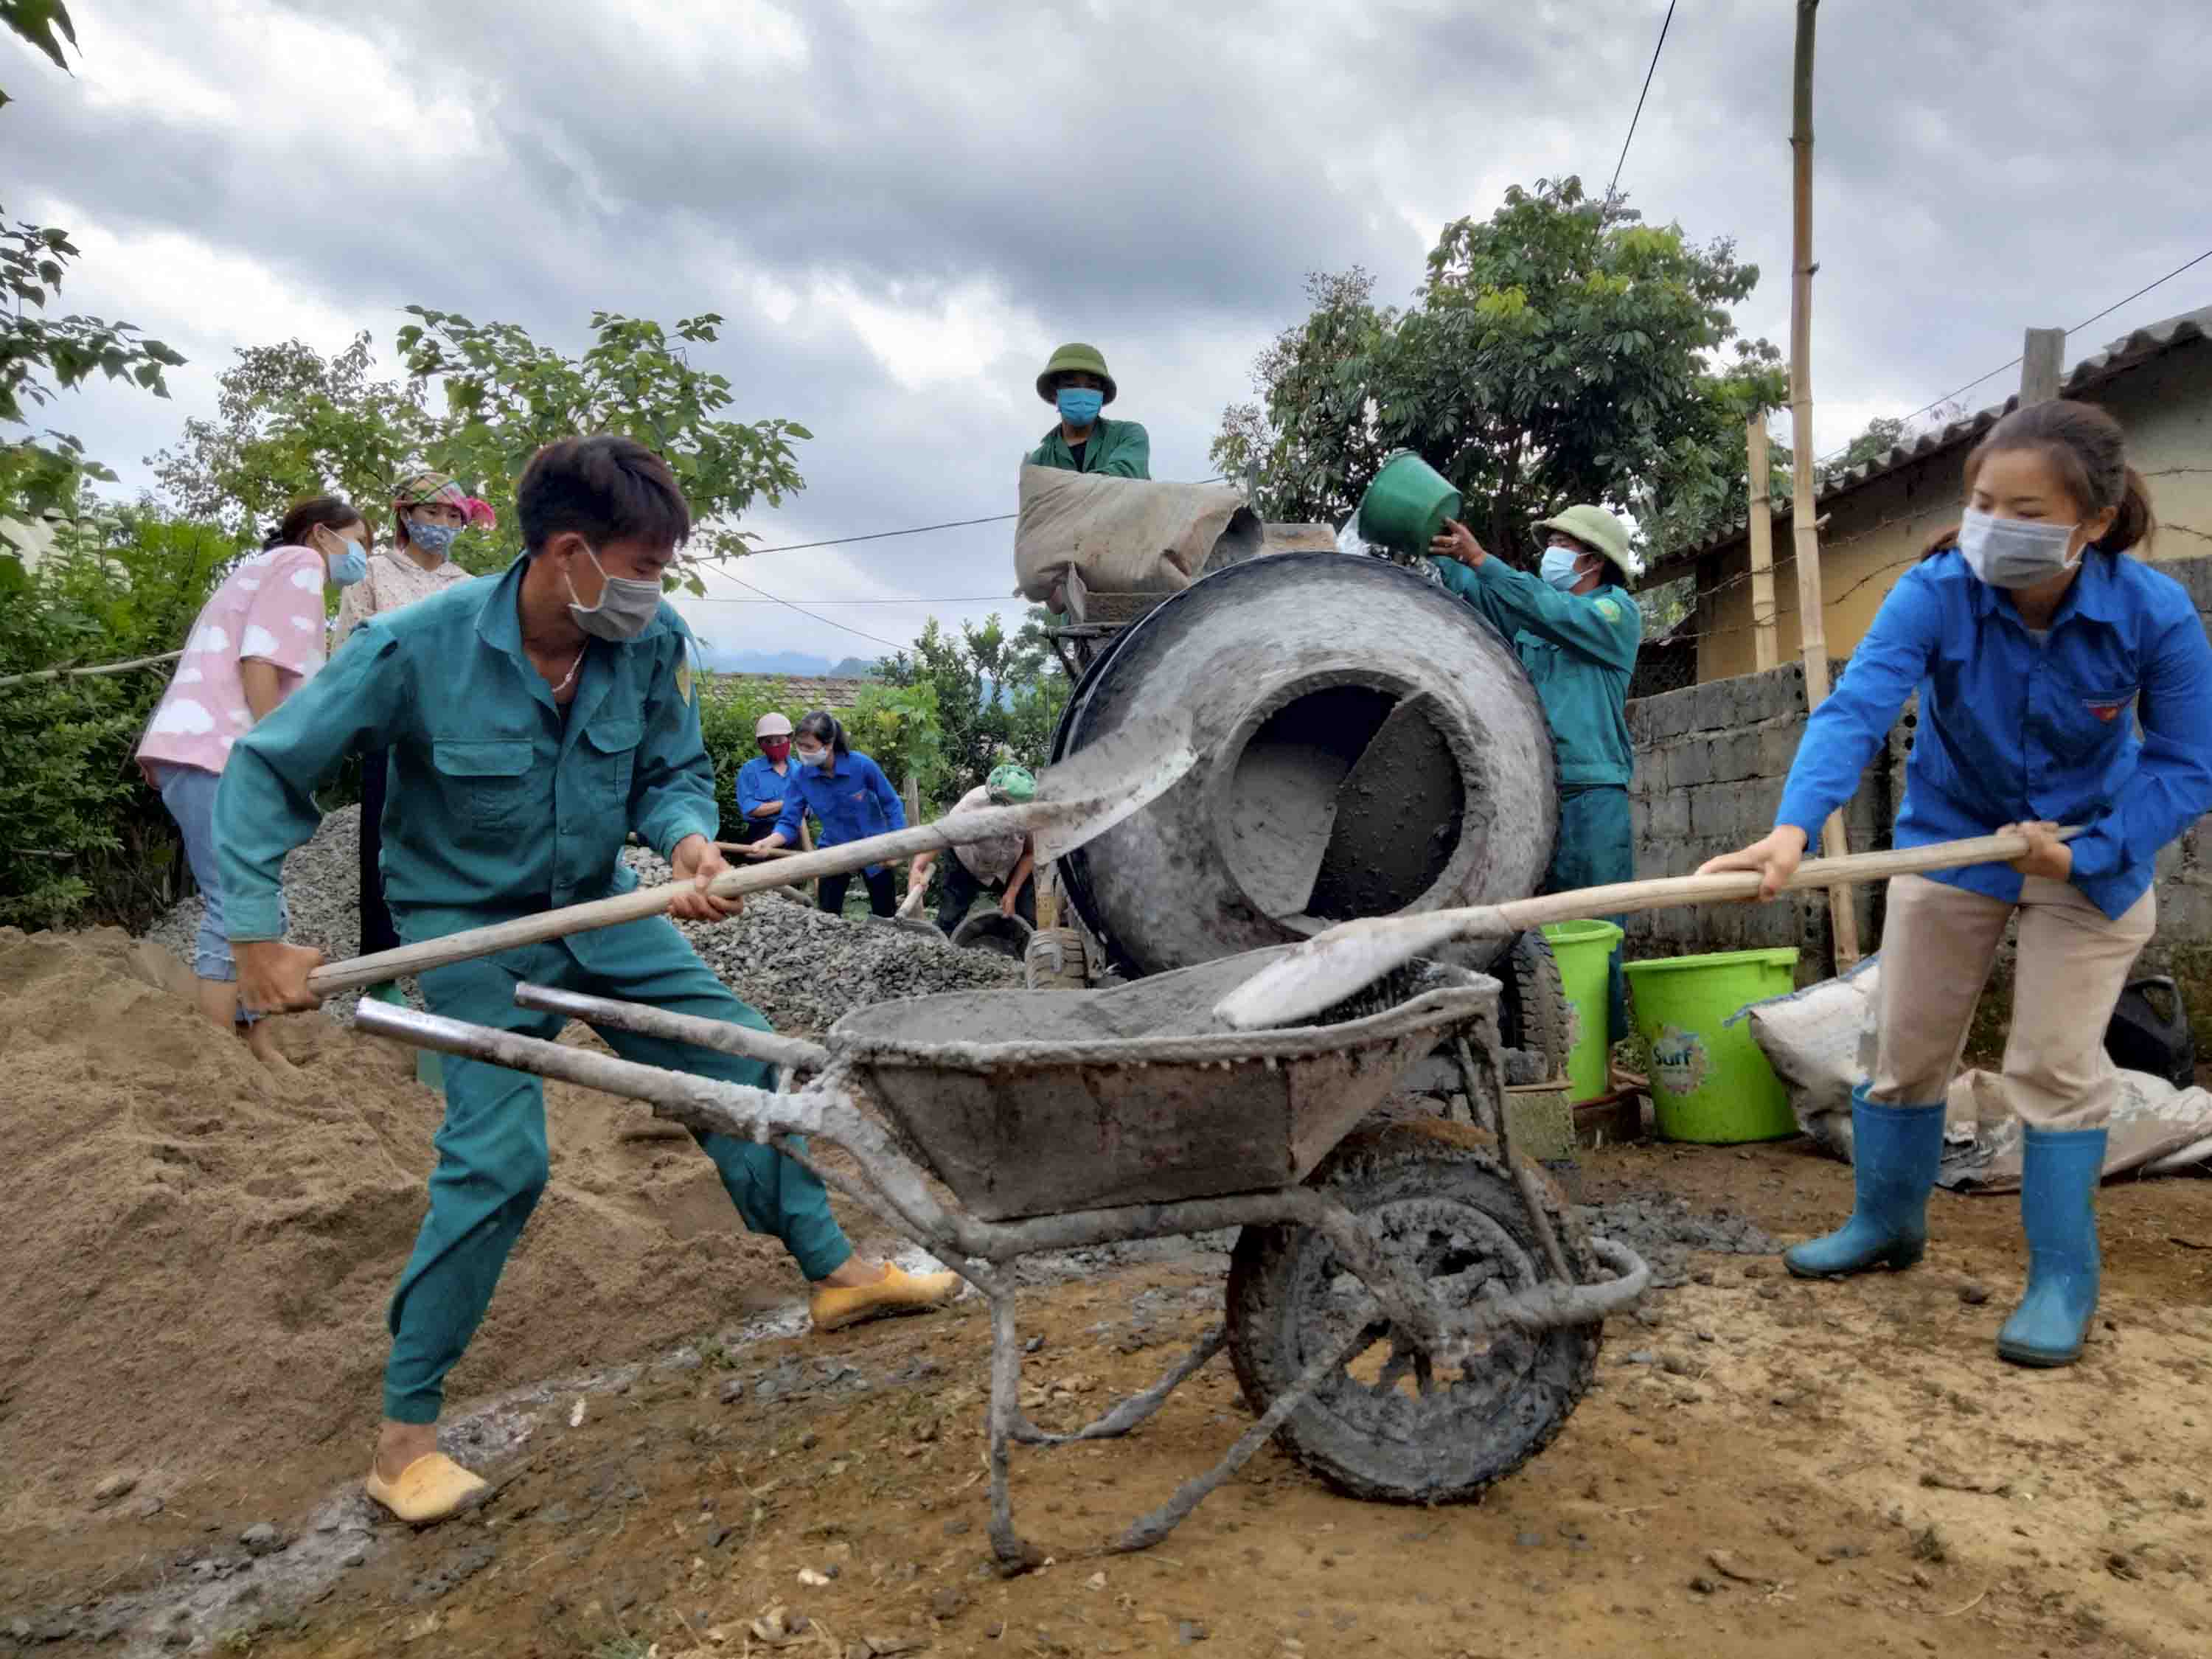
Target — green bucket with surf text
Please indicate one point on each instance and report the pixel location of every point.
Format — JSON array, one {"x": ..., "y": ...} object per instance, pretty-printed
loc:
[
  {"x": 1583, "y": 950},
  {"x": 1710, "y": 1083}
]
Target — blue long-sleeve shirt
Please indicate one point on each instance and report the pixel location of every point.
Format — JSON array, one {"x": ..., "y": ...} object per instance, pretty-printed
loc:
[
  {"x": 760, "y": 784},
  {"x": 2013, "y": 731},
  {"x": 851, "y": 797}
]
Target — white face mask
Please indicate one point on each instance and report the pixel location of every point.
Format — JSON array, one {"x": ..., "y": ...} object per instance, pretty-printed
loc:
[
  {"x": 811, "y": 756},
  {"x": 2014, "y": 552}
]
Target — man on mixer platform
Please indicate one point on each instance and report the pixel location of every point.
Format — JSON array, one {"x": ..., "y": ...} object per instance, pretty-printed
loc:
[
  {"x": 1076, "y": 383},
  {"x": 1576, "y": 628}
]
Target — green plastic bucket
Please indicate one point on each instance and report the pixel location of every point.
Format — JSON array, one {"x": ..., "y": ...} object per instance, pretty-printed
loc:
[
  {"x": 1709, "y": 1081},
  {"x": 1583, "y": 950},
  {"x": 1405, "y": 506}
]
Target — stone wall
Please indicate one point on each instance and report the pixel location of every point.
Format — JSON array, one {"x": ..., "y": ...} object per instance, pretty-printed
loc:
[{"x": 1710, "y": 765}]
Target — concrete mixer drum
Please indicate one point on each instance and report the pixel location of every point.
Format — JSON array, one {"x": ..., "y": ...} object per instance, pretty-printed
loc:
[{"x": 1367, "y": 745}]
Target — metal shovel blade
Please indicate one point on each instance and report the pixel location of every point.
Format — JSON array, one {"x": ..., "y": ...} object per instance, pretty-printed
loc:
[{"x": 1102, "y": 783}]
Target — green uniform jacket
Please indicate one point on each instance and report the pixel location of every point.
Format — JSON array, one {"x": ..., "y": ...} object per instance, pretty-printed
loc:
[
  {"x": 1580, "y": 648},
  {"x": 500, "y": 805},
  {"x": 1118, "y": 448}
]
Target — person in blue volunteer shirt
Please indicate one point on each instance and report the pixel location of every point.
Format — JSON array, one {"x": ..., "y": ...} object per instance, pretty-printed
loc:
[
  {"x": 2062, "y": 683},
  {"x": 764, "y": 782},
  {"x": 849, "y": 796}
]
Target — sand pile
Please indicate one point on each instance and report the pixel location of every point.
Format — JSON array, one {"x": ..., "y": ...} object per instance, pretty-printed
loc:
[{"x": 195, "y": 1256}]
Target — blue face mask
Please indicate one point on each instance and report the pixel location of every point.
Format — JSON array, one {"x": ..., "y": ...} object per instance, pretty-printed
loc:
[
  {"x": 1558, "y": 567},
  {"x": 1079, "y": 406},
  {"x": 351, "y": 566},
  {"x": 432, "y": 538}
]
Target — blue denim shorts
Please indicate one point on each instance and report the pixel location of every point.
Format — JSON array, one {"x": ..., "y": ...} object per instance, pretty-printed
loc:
[{"x": 189, "y": 793}]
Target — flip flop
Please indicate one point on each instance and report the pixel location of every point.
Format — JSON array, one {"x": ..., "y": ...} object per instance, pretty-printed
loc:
[
  {"x": 834, "y": 1307},
  {"x": 432, "y": 1488}
]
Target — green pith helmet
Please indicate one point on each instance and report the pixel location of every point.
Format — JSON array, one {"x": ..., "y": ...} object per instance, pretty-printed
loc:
[
  {"x": 1078, "y": 358},
  {"x": 1016, "y": 783},
  {"x": 1599, "y": 532}
]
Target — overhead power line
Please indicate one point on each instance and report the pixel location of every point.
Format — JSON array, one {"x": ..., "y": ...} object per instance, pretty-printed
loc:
[
  {"x": 1938, "y": 403},
  {"x": 1649, "y": 70},
  {"x": 827, "y": 621}
]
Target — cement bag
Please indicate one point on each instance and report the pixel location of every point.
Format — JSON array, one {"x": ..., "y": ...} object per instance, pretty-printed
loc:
[
  {"x": 2156, "y": 1129},
  {"x": 1820, "y": 1041},
  {"x": 1125, "y": 535}
]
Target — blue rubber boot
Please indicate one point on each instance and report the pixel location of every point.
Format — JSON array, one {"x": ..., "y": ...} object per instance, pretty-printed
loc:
[
  {"x": 2059, "y": 1172},
  {"x": 1894, "y": 1150}
]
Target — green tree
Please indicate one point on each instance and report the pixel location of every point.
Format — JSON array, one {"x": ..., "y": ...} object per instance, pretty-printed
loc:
[
  {"x": 41, "y": 353},
  {"x": 291, "y": 422},
  {"x": 505, "y": 395},
  {"x": 45, "y": 24},
  {"x": 993, "y": 690},
  {"x": 1558, "y": 351},
  {"x": 81, "y": 838}
]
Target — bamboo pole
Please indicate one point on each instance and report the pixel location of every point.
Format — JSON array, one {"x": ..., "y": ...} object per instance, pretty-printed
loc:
[
  {"x": 1811, "y": 622},
  {"x": 104, "y": 668},
  {"x": 1763, "y": 630}
]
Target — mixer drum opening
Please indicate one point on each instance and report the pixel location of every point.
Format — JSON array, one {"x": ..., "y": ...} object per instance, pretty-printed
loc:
[{"x": 1347, "y": 801}]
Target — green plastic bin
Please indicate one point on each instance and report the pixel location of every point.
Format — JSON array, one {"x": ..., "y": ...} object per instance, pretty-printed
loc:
[
  {"x": 1709, "y": 1082},
  {"x": 1405, "y": 506},
  {"x": 1583, "y": 950}
]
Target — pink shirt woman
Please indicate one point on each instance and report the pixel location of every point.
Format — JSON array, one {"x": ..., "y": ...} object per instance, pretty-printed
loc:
[{"x": 254, "y": 643}]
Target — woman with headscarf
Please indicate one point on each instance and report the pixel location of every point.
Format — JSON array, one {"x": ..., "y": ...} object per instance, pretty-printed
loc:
[{"x": 429, "y": 510}]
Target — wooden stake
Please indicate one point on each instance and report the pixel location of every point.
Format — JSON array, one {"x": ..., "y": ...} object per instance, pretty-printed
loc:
[
  {"x": 2041, "y": 358},
  {"x": 1812, "y": 624},
  {"x": 1764, "y": 633}
]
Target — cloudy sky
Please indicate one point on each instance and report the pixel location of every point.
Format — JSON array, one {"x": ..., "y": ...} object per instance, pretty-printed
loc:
[{"x": 901, "y": 206}]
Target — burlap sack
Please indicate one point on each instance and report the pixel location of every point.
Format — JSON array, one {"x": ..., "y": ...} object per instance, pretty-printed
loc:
[{"x": 1125, "y": 535}]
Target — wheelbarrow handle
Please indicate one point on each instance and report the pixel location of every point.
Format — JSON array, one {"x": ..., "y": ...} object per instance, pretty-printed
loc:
[{"x": 716, "y": 1034}]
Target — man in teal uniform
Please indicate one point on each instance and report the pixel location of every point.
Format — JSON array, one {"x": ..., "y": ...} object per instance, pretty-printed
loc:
[
  {"x": 1076, "y": 383},
  {"x": 1575, "y": 627},
  {"x": 533, "y": 719}
]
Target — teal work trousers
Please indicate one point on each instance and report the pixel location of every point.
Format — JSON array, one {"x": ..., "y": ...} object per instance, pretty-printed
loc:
[
  {"x": 491, "y": 1147},
  {"x": 1597, "y": 848}
]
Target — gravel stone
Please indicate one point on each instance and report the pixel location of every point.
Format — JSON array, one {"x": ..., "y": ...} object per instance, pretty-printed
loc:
[{"x": 802, "y": 969}]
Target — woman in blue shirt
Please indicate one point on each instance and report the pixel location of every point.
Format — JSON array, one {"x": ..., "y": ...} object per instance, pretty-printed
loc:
[
  {"x": 2038, "y": 647},
  {"x": 849, "y": 795}
]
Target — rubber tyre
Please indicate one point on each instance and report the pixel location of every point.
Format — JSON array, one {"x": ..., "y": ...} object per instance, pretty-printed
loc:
[
  {"x": 1438, "y": 1187},
  {"x": 1533, "y": 1013}
]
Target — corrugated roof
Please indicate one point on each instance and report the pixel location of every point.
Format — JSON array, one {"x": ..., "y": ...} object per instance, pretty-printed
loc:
[{"x": 2122, "y": 353}]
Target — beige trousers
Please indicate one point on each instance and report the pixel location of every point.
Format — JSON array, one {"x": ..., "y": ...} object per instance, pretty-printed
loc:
[{"x": 1937, "y": 946}]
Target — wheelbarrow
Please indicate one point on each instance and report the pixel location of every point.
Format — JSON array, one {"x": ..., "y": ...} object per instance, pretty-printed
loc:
[{"x": 1412, "y": 1312}]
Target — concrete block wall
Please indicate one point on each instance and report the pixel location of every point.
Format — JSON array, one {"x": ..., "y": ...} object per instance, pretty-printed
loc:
[{"x": 1710, "y": 761}]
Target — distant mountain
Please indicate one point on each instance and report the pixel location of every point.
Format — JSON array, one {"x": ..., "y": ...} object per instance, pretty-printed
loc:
[{"x": 787, "y": 662}]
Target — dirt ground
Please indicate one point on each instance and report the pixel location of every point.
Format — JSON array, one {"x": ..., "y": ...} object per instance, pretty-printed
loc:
[{"x": 1765, "y": 1468}]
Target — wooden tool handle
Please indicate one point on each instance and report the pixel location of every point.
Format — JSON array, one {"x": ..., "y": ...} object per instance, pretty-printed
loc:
[
  {"x": 1664, "y": 892},
  {"x": 984, "y": 824}
]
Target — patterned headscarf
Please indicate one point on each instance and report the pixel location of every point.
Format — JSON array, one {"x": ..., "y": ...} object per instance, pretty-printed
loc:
[{"x": 426, "y": 488}]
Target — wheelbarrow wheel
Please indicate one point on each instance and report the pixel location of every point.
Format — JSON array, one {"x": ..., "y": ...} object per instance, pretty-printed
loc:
[{"x": 1392, "y": 1424}]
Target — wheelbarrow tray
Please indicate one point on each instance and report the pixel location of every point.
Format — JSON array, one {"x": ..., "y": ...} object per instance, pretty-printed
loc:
[{"x": 1040, "y": 1103}]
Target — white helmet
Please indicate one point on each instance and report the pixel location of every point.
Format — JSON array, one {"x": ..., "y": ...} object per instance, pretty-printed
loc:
[{"x": 771, "y": 725}]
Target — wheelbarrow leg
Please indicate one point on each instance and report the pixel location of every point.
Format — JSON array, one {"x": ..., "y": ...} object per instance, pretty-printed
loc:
[
  {"x": 1523, "y": 1179},
  {"x": 1014, "y": 1554}
]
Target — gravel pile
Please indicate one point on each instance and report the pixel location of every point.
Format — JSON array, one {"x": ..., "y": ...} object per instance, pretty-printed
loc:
[{"x": 804, "y": 970}]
